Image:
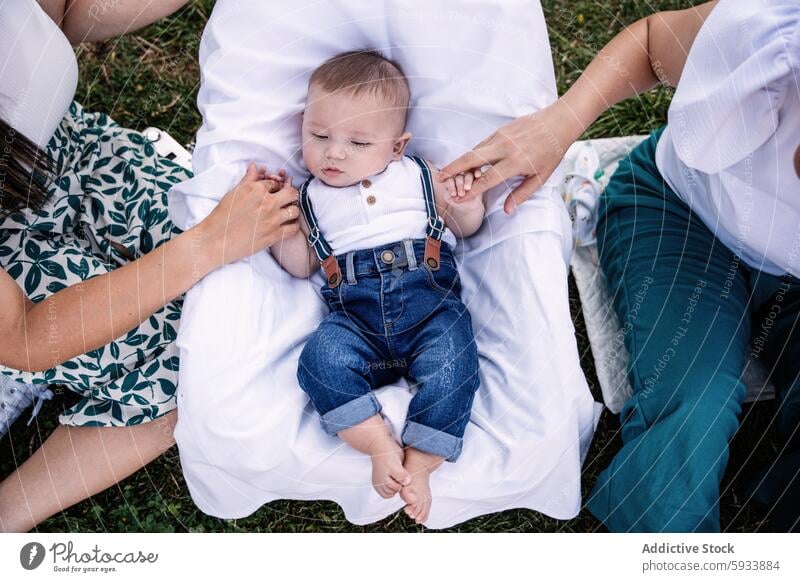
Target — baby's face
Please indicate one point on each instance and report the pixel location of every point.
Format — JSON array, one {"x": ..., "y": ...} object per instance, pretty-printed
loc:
[{"x": 347, "y": 138}]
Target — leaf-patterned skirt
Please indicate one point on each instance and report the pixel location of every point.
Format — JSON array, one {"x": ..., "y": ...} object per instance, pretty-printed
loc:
[{"x": 111, "y": 187}]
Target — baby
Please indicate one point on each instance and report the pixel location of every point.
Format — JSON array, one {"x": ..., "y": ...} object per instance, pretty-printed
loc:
[{"x": 376, "y": 221}]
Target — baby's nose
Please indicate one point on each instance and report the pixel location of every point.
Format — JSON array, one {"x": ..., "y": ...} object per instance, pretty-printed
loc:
[{"x": 335, "y": 152}]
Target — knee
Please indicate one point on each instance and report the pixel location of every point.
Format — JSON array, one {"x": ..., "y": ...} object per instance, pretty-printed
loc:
[
  {"x": 312, "y": 364},
  {"x": 321, "y": 365},
  {"x": 702, "y": 404},
  {"x": 446, "y": 378},
  {"x": 457, "y": 370},
  {"x": 467, "y": 377}
]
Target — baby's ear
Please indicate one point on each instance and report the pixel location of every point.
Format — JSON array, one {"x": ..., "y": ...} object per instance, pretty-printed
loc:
[
  {"x": 797, "y": 161},
  {"x": 400, "y": 145}
]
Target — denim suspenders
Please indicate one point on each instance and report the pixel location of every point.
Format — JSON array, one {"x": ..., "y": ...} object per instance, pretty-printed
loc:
[{"x": 434, "y": 230}]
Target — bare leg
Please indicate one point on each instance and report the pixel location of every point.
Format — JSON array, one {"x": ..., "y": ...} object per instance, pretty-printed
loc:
[
  {"x": 373, "y": 437},
  {"x": 417, "y": 494},
  {"x": 76, "y": 462}
]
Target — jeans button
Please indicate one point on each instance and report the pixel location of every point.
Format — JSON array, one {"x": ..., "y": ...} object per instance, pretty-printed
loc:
[{"x": 387, "y": 257}]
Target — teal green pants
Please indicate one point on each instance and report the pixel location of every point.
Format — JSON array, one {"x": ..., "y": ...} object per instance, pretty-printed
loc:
[{"x": 689, "y": 309}]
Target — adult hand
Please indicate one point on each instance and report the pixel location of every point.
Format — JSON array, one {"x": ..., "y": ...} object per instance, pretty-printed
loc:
[
  {"x": 531, "y": 146},
  {"x": 257, "y": 213}
]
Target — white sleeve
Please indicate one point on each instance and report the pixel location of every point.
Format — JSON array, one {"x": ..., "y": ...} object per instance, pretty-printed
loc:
[
  {"x": 38, "y": 70},
  {"x": 729, "y": 96}
]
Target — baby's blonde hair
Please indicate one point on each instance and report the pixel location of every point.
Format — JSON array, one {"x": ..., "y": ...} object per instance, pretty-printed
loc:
[{"x": 365, "y": 72}]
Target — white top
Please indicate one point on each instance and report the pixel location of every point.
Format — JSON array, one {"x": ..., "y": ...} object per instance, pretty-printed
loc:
[
  {"x": 38, "y": 70},
  {"x": 385, "y": 208},
  {"x": 734, "y": 126}
]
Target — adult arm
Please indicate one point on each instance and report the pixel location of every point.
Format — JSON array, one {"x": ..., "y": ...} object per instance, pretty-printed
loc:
[
  {"x": 96, "y": 20},
  {"x": 88, "y": 315},
  {"x": 651, "y": 50}
]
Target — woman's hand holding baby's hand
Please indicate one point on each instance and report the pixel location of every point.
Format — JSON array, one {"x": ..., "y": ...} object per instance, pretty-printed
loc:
[
  {"x": 276, "y": 179},
  {"x": 531, "y": 146},
  {"x": 458, "y": 187},
  {"x": 251, "y": 217}
]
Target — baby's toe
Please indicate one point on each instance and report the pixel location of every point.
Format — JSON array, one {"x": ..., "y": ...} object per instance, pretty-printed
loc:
[
  {"x": 401, "y": 476},
  {"x": 419, "y": 512},
  {"x": 414, "y": 511},
  {"x": 423, "y": 510},
  {"x": 393, "y": 488},
  {"x": 408, "y": 495}
]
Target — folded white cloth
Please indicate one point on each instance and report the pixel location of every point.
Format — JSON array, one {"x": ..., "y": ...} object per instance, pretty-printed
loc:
[{"x": 246, "y": 432}]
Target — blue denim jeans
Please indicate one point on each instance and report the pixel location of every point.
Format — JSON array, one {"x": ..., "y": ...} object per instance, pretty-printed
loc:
[{"x": 393, "y": 317}]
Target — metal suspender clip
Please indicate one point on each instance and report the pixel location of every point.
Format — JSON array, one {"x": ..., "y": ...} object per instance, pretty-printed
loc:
[
  {"x": 437, "y": 226},
  {"x": 313, "y": 236}
]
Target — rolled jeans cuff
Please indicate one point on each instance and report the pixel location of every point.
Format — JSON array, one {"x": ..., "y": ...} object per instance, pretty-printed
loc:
[
  {"x": 350, "y": 414},
  {"x": 430, "y": 440}
]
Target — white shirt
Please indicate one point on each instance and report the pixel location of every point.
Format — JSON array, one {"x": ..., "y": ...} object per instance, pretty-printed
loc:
[
  {"x": 734, "y": 126},
  {"x": 382, "y": 209},
  {"x": 38, "y": 70}
]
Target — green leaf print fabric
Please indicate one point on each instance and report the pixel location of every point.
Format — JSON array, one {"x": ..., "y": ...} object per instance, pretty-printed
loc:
[{"x": 111, "y": 187}]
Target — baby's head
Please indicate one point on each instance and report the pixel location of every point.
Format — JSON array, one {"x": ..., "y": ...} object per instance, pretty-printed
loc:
[{"x": 355, "y": 117}]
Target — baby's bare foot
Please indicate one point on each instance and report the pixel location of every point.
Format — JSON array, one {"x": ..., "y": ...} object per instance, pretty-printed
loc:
[
  {"x": 417, "y": 494},
  {"x": 388, "y": 474}
]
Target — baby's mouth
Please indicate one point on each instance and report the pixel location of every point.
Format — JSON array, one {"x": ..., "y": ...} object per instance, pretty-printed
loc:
[{"x": 332, "y": 172}]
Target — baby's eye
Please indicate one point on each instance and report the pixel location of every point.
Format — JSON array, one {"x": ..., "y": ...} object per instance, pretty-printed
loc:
[
  {"x": 360, "y": 144},
  {"x": 318, "y": 136}
]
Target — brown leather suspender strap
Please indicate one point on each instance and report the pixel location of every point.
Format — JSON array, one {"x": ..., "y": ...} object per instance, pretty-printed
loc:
[
  {"x": 432, "y": 251},
  {"x": 332, "y": 271}
]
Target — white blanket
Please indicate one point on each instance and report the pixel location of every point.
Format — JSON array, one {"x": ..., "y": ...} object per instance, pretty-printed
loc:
[{"x": 246, "y": 431}]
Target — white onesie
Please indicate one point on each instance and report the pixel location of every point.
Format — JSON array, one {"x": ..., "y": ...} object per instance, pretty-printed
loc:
[{"x": 384, "y": 208}]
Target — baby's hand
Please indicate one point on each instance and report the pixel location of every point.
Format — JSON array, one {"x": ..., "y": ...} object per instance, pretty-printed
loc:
[
  {"x": 277, "y": 179},
  {"x": 458, "y": 186}
]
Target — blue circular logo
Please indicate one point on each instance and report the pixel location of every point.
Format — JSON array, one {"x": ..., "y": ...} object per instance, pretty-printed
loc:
[{"x": 31, "y": 555}]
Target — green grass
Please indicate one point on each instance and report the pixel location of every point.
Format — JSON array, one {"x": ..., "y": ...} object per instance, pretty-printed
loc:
[{"x": 151, "y": 78}]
